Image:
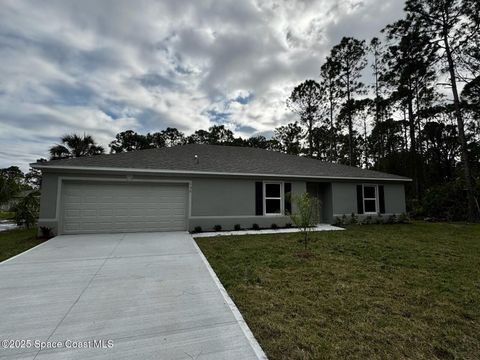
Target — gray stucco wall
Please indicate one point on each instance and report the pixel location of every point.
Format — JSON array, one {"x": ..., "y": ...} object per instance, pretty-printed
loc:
[
  {"x": 229, "y": 201},
  {"x": 344, "y": 197},
  {"x": 222, "y": 201}
]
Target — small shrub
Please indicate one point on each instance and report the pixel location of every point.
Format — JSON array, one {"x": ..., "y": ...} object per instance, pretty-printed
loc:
[
  {"x": 26, "y": 211},
  {"x": 288, "y": 225},
  {"x": 344, "y": 219},
  {"x": 217, "y": 228},
  {"x": 338, "y": 221},
  {"x": 237, "y": 227},
  {"x": 392, "y": 219},
  {"x": 274, "y": 226},
  {"x": 403, "y": 219},
  {"x": 367, "y": 220},
  {"x": 197, "y": 229},
  {"x": 46, "y": 232},
  {"x": 255, "y": 227},
  {"x": 353, "y": 219},
  {"x": 379, "y": 219}
]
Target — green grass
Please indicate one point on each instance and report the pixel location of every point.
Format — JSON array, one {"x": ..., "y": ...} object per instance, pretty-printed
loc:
[
  {"x": 7, "y": 215},
  {"x": 376, "y": 291},
  {"x": 13, "y": 242}
]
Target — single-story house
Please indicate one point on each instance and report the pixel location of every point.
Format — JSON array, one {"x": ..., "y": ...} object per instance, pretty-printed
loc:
[{"x": 182, "y": 187}]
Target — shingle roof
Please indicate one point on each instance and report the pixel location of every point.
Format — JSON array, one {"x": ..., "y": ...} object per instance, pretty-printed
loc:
[{"x": 220, "y": 159}]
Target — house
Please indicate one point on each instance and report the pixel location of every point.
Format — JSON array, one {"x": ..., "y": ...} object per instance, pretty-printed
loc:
[{"x": 182, "y": 187}]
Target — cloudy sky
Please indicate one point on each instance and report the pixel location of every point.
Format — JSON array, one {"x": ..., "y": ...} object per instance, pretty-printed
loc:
[{"x": 102, "y": 67}]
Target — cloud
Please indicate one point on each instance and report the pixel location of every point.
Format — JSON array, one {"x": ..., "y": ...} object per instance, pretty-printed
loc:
[{"x": 108, "y": 66}]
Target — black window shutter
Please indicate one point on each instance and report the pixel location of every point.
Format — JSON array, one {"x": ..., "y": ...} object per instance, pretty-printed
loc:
[
  {"x": 287, "y": 189},
  {"x": 258, "y": 198},
  {"x": 381, "y": 199},
  {"x": 359, "y": 199}
]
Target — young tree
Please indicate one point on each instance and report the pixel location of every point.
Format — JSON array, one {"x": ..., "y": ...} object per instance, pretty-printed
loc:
[
  {"x": 447, "y": 23},
  {"x": 305, "y": 100},
  {"x": 306, "y": 214},
  {"x": 349, "y": 59},
  {"x": 74, "y": 145}
]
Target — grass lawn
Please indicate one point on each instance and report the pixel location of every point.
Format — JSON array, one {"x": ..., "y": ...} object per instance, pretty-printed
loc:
[
  {"x": 6, "y": 215},
  {"x": 13, "y": 242},
  {"x": 374, "y": 291}
]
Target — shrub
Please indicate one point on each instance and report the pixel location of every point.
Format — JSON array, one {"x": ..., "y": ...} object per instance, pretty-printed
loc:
[
  {"x": 197, "y": 229},
  {"x": 46, "y": 232},
  {"x": 237, "y": 227},
  {"x": 445, "y": 202},
  {"x": 403, "y": 219},
  {"x": 26, "y": 211},
  {"x": 274, "y": 226},
  {"x": 353, "y": 219},
  {"x": 217, "y": 227},
  {"x": 367, "y": 220},
  {"x": 288, "y": 225},
  {"x": 392, "y": 219},
  {"x": 255, "y": 227},
  {"x": 344, "y": 219}
]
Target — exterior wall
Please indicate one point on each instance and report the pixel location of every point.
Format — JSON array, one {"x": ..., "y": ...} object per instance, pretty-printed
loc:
[
  {"x": 223, "y": 197},
  {"x": 227, "y": 201},
  {"x": 394, "y": 198},
  {"x": 344, "y": 196},
  {"x": 214, "y": 201}
]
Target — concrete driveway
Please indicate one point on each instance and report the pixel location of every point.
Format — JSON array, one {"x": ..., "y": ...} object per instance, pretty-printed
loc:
[{"x": 148, "y": 296}]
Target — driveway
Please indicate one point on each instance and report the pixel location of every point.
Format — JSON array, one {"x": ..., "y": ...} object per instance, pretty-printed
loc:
[{"x": 148, "y": 295}]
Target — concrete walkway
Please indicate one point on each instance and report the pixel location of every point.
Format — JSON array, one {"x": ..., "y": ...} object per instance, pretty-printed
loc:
[
  {"x": 319, "y": 227},
  {"x": 152, "y": 294}
]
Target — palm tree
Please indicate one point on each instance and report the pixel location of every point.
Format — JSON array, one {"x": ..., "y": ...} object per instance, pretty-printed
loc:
[{"x": 75, "y": 146}]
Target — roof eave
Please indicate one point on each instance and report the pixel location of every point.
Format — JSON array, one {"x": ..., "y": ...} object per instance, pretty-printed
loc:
[{"x": 211, "y": 173}]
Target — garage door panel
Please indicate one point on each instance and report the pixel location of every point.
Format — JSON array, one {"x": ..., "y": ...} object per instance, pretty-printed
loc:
[{"x": 105, "y": 207}]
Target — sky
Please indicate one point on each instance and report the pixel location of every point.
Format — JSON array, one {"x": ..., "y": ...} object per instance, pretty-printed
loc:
[{"x": 101, "y": 67}]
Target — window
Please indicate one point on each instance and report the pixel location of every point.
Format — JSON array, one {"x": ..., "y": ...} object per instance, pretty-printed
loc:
[
  {"x": 273, "y": 198},
  {"x": 370, "y": 199}
]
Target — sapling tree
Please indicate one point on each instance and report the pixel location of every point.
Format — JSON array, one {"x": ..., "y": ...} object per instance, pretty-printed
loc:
[{"x": 306, "y": 214}]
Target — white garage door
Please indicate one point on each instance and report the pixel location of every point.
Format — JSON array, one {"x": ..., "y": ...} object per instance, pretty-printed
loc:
[{"x": 97, "y": 207}]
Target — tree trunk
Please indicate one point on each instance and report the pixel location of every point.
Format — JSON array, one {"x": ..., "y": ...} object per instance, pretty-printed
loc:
[
  {"x": 350, "y": 124},
  {"x": 413, "y": 144},
  {"x": 332, "y": 132},
  {"x": 472, "y": 216},
  {"x": 310, "y": 137}
]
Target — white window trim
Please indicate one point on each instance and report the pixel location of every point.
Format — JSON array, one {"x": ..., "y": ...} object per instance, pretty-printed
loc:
[
  {"x": 281, "y": 198},
  {"x": 375, "y": 198}
]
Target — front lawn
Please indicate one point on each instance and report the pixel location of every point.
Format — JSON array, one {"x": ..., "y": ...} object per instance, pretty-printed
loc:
[
  {"x": 13, "y": 242},
  {"x": 374, "y": 291},
  {"x": 6, "y": 215}
]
